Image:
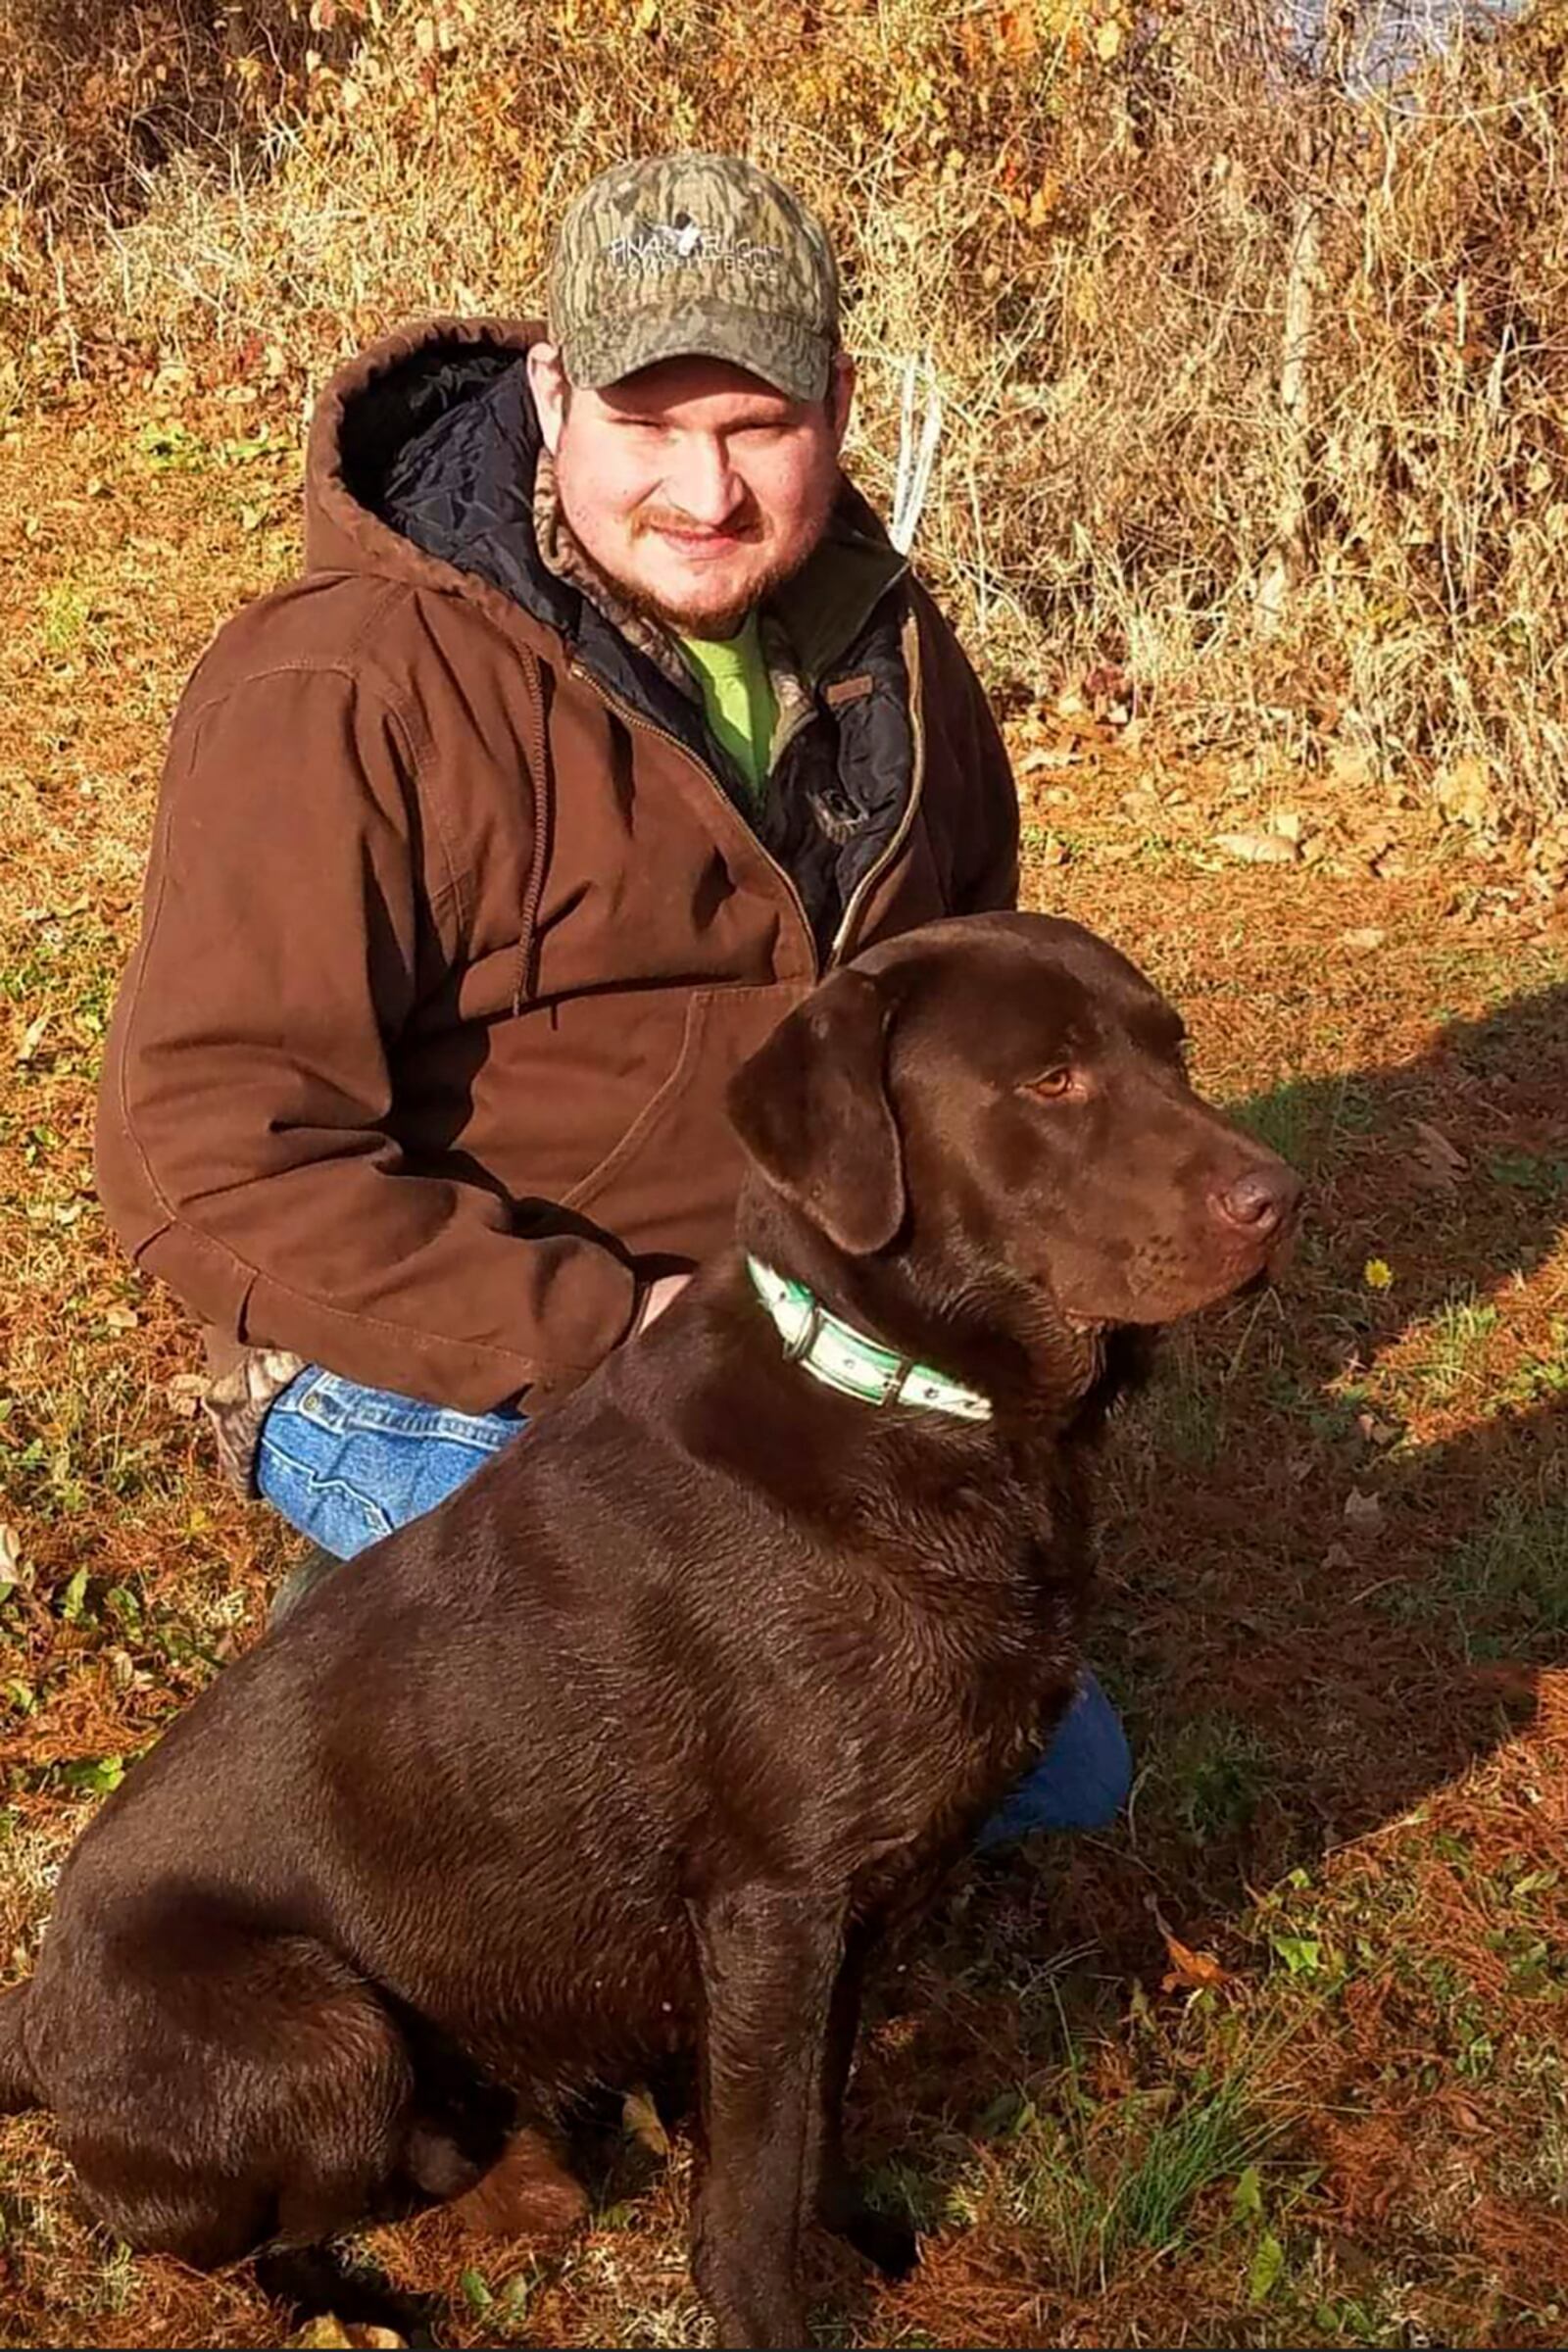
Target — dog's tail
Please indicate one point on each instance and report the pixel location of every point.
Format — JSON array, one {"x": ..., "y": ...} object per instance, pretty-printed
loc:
[{"x": 18, "y": 2090}]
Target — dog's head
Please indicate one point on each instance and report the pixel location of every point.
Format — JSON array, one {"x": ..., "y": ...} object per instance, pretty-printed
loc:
[{"x": 996, "y": 1109}]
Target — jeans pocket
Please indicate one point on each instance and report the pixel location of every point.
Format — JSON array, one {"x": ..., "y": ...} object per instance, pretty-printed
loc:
[
  {"x": 347, "y": 1464},
  {"x": 313, "y": 1494}
]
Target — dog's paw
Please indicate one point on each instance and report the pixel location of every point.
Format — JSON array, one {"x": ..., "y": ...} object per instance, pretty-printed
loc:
[{"x": 891, "y": 2244}]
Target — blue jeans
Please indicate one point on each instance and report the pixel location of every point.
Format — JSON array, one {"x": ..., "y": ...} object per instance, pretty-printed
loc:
[{"x": 347, "y": 1464}]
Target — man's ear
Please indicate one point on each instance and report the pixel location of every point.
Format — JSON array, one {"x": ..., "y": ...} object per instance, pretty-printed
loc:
[
  {"x": 840, "y": 395},
  {"x": 812, "y": 1108},
  {"x": 547, "y": 381}
]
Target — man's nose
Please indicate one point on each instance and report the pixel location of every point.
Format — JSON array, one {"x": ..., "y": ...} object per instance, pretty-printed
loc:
[{"x": 702, "y": 482}]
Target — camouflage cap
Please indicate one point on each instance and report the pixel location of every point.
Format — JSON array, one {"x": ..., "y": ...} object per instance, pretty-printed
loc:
[{"x": 687, "y": 254}]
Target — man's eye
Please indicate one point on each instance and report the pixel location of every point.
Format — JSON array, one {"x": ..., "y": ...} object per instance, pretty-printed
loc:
[{"x": 1052, "y": 1083}]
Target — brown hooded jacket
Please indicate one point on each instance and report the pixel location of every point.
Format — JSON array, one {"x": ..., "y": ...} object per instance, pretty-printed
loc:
[{"x": 456, "y": 924}]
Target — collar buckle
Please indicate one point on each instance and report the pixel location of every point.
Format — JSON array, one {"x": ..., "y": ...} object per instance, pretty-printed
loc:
[{"x": 798, "y": 1348}]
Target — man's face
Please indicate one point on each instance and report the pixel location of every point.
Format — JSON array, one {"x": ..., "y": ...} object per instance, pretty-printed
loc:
[{"x": 695, "y": 487}]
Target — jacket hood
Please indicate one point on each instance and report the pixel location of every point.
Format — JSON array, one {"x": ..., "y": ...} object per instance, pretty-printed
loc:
[{"x": 368, "y": 412}]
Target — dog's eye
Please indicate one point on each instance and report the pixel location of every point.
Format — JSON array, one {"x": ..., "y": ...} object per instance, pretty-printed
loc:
[{"x": 1052, "y": 1083}]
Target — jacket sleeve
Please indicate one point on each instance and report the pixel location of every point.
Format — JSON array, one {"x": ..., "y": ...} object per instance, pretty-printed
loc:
[
  {"x": 245, "y": 1143},
  {"x": 986, "y": 860}
]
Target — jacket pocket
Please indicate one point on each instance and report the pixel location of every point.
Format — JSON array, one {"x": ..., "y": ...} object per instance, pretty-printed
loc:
[{"x": 681, "y": 1143}]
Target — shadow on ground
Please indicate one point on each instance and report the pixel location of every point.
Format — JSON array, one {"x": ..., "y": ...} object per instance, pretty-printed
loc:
[{"x": 1335, "y": 1557}]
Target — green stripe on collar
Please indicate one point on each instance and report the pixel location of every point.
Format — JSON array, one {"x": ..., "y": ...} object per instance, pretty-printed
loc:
[{"x": 843, "y": 1358}]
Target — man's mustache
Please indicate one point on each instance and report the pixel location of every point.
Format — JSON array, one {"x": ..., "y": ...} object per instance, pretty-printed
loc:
[{"x": 744, "y": 524}]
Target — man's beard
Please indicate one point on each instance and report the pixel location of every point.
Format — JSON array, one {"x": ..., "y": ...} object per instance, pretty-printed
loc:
[{"x": 702, "y": 621}]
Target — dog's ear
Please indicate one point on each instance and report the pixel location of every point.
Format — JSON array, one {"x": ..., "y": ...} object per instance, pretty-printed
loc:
[{"x": 812, "y": 1110}]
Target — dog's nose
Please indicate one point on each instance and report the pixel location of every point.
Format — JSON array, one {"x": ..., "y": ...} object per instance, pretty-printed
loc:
[{"x": 1260, "y": 1199}]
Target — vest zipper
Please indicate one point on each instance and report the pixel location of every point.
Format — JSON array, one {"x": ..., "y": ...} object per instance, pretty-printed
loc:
[
  {"x": 800, "y": 719},
  {"x": 858, "y": 896},
  {"x": 634, "y": 718}
]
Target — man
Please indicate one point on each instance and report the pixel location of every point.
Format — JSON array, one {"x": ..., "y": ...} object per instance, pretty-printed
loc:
[{"x": 604, "y": 718}]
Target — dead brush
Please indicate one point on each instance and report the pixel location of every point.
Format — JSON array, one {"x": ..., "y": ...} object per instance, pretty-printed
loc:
[{"x": 1250, "y": 364}]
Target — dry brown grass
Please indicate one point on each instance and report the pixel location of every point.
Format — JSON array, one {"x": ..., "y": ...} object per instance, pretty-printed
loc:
[{"x": 1083, "y": 218}]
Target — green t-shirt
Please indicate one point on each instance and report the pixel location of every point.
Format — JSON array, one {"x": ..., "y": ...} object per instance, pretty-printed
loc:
[{"x": 738, "y": 697}]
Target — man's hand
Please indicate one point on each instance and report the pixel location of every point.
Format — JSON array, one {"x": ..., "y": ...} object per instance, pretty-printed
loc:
[{"x": 657, "y": 1296}]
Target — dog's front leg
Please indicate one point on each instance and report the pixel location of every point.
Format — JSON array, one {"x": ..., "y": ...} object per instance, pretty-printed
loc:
[
  {"x": 769, "y": 1958},
  {"x": 881, "y": 2238}
]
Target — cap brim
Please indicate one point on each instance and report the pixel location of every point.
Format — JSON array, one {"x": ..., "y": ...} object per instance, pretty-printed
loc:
[{"x": 782, "y": 353}]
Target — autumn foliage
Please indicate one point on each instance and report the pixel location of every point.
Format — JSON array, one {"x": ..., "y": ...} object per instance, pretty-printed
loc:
[{"x": 1250, "y": 360}]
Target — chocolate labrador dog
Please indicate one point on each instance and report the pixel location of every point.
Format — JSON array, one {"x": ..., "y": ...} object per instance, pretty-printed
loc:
[{"x": 641, "y": 1741}]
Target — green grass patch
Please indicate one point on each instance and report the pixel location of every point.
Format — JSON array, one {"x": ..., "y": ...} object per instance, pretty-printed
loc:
[
  {"x": 1545, "y": 1375},
  {"x": 1540, "y": 1177},
  {"x": 1309, "y": 1120},
  {"x": 1504, "y": 1588},
  {"x": 1105, "y": 2182},
  {"x": 908, "y": 2192},
  {"x": 1538, "y": 2078},
  {"x": 1215, "y": 1772},
  {"x": 1185, "y": 1413},
  {"x": 65, "y": 618},
  {"x": 1450, "y": 1349},
  {"x": 60, "y": 971}
]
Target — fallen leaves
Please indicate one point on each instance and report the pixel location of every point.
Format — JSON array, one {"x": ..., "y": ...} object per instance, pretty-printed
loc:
[
  {"x": 1546, "y": 867},
  {"x": 1190, "y": 1971},
  {"x": 31, "y": 1038},
  {"x": 327, "y": 2334},
  {"x": 1352, "y": 766},
  {"x": 324, "y": 2335},
  {"x": 1259, "y": 849},
  {"x": 1375, "y": 850},
  {"x": 184, "y": 1393},
  {"x": 12, "y": 1571},
  {"x": 1463, "y": 792},
  {"x": 1434, "y": 1162}
]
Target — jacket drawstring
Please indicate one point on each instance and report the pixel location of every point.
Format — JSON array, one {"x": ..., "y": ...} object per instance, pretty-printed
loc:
[{"x": 524, "y": 976}]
